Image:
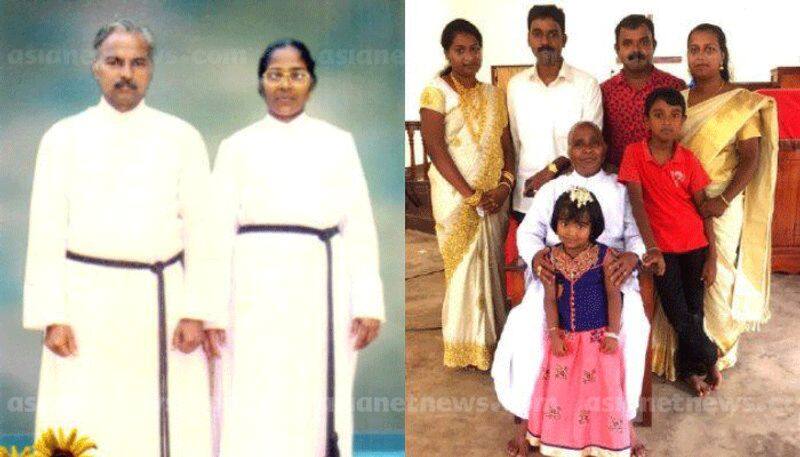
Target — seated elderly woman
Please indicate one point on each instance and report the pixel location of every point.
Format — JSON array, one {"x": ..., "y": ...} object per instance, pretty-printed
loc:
[{"x": 519, "y": 352}]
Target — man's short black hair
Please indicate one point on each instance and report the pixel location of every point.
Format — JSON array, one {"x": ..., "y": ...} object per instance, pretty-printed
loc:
[
  {"x": 632, "y": 22},
  {"x": 544, "y": 11},
  {"x": 671, "y": 96},
  {"x": 567, "y": 210}
]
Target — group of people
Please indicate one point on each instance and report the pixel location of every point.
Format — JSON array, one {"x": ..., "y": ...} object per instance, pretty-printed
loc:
[
  {"x": 170, "y": 296},
  {"x": 606, "y": 183}
]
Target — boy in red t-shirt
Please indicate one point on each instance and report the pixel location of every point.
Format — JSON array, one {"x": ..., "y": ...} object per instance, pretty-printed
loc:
[{"x": 666, "y": 186}]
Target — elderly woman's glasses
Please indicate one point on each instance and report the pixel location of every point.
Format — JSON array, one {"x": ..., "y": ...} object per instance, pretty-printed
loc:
[{"x": 293, "y": 76}]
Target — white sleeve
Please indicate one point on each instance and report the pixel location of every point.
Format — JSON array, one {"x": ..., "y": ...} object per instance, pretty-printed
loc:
[
  {"x": 593, "y": 104},
  {"x": 361, "y": 241},
  {"x": 224, "y": 206},
  {"x": 633, "y": 239},
  {"x": 532, "y": 232},
  {"x": 193, "y": 193},
  {"x": 44, "y": 291},
  {"x": 512, "y": 119}
]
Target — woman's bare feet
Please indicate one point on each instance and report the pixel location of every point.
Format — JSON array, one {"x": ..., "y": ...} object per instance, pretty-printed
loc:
[
  {"x": 714, "y": 377},
  {"x": 518, "y": 446},
  {"x": 638, "y": 448},
  {"x": 699, "y": 385}
]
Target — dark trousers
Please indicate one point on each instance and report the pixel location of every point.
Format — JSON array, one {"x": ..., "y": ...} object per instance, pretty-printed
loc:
[{"x": 681, "y": 292}]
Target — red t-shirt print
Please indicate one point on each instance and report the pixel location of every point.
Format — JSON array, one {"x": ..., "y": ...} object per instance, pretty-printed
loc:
[
  {"x": 677, "y": 177},
  {"x": 667, "y": 193}
]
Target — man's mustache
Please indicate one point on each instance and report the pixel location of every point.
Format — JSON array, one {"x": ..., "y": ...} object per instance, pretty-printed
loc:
[
  {"x": 123, "y": 83},
  {"x": 545, "y": 48},
  {"x": 636, "y": 55}
]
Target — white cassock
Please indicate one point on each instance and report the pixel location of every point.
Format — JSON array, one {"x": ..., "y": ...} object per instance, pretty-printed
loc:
[
  {"x": 273, "y": 389},
  {"x": 519, "y": 355},
  {"x": 133, "y": 187}
]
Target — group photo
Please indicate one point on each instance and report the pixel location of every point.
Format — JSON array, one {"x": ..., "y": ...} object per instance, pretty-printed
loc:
[
  {"x": 590, "y": 232},
  {"x": 198, "y": 256},
  {"x": 210, "y": 248}
]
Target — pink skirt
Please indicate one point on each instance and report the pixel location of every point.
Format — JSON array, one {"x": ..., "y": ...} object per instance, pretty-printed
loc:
[{"x": 578, "y": 407}]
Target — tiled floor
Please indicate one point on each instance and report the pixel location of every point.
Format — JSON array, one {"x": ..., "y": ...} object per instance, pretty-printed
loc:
[{"x": 455, "y": 412}]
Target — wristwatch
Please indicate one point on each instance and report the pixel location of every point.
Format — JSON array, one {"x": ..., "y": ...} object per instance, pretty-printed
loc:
[{"x": 553, "y": 168}]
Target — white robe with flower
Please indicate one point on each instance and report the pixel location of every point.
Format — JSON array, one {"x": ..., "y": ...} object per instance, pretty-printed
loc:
[
  {"x": 125, "y": 186},
  {"x": 273, "y": 373}
]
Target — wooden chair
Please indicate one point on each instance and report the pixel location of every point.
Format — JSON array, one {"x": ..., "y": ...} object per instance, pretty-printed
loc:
[
  {"x": 419, "y": 214},
  {"x": 647, "y": 289},
  {"x": 416, "y": 170}
]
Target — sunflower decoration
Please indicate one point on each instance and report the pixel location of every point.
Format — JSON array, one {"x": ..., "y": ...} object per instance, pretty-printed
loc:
[
  {"x": 51, "y": 444},
  {"x": 25, "y": 452}
]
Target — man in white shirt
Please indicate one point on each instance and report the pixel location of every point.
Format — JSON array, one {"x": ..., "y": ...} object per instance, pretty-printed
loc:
[
  {"x": 519, "y": 352},
  {"x": 116, "y": 265},
  {"x": 544, "y": 102}
]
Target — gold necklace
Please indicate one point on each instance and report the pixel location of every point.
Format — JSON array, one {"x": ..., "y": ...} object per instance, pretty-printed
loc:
[
  {"x": 712, "y": 95},
  {"x": 473, "y": 102}
]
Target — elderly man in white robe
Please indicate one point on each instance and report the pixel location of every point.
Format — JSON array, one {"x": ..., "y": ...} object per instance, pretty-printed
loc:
[
  {"x": 299, "y": 273},
  {"x": 116, "y": 264},
  {"x": 519, "y": 352}
]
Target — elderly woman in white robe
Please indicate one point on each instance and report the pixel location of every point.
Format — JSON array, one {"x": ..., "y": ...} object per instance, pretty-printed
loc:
[{"x": 297, "y": 245}]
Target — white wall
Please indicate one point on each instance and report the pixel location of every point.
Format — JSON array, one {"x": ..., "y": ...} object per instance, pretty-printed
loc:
[{"x": 761, "y": 35}]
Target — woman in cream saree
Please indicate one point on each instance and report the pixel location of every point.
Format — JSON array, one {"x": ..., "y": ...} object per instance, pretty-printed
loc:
[
  {"x": 465, "y": 131},
  {"x": 734, "y": 134}
]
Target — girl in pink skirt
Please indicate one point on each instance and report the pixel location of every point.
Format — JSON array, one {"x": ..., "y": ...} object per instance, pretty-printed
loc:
[{"x": 578, "y": 406}]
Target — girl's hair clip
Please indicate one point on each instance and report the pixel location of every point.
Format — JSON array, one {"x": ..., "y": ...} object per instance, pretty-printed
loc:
[{"x": 580, "y": 196}]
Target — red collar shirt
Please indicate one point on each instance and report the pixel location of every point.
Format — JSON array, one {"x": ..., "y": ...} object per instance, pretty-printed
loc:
[
  {"x": 667, "y": 193},
  {"x": 623, "y": 110}
]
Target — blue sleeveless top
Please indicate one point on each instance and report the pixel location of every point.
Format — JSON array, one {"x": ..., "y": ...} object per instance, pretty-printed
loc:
[{"x": 580, "y": 289}]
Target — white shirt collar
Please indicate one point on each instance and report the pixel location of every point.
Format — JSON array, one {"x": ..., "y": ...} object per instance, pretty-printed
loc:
[
  {"x": 272, "y": 121},
  {"x": 107, "y": 110},
  {"x": 597, "y": 177},
  {"x": 565, "y": 73}
]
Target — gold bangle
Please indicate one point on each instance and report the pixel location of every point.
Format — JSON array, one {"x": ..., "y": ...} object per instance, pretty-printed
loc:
[
  {"x": 727, "y": 203},
  {"x": 510, "y": 177},
  {"x": 475, "y": 198},
  {"x": 505, "y": 183}
]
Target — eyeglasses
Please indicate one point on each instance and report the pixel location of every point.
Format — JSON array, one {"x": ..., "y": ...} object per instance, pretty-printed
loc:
[{"x": 295, "y": 76}]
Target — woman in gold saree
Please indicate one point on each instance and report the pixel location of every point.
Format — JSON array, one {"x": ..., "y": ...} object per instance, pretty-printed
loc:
[
  {"x": 734, "y": 134},
  {"x": 465, "y": 132}
]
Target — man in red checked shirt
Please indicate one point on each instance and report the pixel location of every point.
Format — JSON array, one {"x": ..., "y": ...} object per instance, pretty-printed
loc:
[
  {"x": 624, "y": 93},
  {"x": 624, "y": 96}
]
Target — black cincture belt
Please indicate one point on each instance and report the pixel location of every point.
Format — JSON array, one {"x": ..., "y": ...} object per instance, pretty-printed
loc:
[
  {"x": 158, "y": 269},
  {"x": 324, "y": 235}
]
